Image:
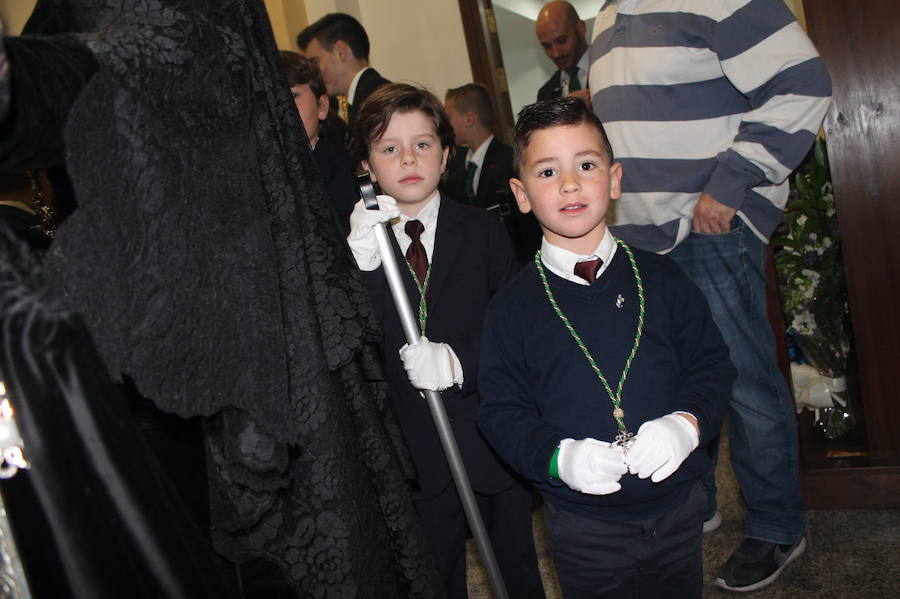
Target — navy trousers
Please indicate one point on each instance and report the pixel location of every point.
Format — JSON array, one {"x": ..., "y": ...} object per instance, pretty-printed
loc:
[{"x": 658, "y": 558}]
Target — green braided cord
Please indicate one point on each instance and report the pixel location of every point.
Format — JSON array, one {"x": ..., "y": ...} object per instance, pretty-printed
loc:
[
  {"x": 616, "y": 398},
  {"x": 423, "y": 307}
]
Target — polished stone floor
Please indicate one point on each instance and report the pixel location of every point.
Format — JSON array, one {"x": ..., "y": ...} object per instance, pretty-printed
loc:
[{"x": 851, "y": 553}]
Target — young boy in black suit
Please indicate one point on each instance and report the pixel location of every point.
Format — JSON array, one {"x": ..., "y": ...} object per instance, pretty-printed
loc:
[
  {"x": 461, "y": 256},
  {"x": 479, "y": 172},
  {"x": 592, "y": 342}
]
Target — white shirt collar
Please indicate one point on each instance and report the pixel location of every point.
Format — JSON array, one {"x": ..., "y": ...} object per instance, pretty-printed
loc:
[
  {"x": 478, "y": 158},
  {"x": 428, "y": 216},
  {"x": 351, "y": 93},
  {"x": 583, "y": 64},
  {"x": 562, "y": 262}
]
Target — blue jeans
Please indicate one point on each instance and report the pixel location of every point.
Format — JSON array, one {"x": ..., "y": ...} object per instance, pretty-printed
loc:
[{"x": 730, "y": 270}]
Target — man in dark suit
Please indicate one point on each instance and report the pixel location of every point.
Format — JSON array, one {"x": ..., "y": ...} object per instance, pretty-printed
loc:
[
  {"x": 340, "y": 46},
  {"x": 561, "y": 33},
  {"x": 481, "y": 166}
]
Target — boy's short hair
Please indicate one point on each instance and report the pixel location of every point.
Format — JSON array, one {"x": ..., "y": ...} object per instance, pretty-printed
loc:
[
  {"x": 473, "y": 97},
  {"x": 556, "y": 112},
  {"x": 375, "y": 114},
  {"x": 333, "y": 27},
  {"x": 300, "y": 70}
]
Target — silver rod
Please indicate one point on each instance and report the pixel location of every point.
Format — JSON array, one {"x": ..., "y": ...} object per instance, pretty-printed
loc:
[{"x": 441, "y": 422}]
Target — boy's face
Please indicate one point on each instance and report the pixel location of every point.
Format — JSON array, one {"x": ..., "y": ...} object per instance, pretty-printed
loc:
[
  {"x": 407, "y": 160},
  {"x": 566, "y": 179},
  {"x": 311, "y": 109}
]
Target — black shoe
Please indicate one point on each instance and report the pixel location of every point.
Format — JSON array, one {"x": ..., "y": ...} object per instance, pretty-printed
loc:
[{"x": 756, "y": 564}]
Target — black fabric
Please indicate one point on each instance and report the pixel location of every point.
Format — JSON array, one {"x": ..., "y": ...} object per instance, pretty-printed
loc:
[
  {"x": 116, "y": 521},
  {"x": 208, "y": 267},
  {"x": 368, "y": 82},
  {"x": 493, "y": 193},
  {"x": 334, "y": 164},
  {"x": 25, "y": 226},
  {"x": 656, "y": 558},
  {"x": 552, "y": 88},
  {"x": 31, "y": 136},
  {"x": 471, "y": 260}
]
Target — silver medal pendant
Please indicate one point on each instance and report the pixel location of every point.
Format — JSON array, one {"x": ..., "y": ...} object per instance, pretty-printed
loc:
[{"x": 624, "y": 440}]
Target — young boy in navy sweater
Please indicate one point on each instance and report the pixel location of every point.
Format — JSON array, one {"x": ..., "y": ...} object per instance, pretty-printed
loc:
[
  {"x": 458, "y": 257},
  {"x": 602, "y": 375}
]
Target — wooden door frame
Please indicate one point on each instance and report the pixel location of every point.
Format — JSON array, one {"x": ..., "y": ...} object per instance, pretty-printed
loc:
[{"x": 486, "y": 60}]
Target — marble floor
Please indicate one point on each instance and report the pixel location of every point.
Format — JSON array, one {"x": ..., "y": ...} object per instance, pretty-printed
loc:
[{"x": 850, "y": 554}]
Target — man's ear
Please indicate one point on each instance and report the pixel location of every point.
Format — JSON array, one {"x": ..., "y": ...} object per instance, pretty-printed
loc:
[
  {"x": 518, "y": 189},
  {"x": 581, "y": 29},
  {"x": 469, "y": 118},
  {"x": 341, "y": 50},
  {"x": 615, "y": 180}
]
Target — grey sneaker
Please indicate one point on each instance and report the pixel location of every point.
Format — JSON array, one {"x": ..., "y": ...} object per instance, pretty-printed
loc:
[
  {"x": 713, "y": 522},
  {"x": 756, "y": 564}
]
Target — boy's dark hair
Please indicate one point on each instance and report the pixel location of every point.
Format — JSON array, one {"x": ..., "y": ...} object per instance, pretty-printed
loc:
[
  {"x": 375, "y": 114},
  {"x": 300, "y": 70},
  {"x": 333, "y": 27},
  {"x": 473, "y": 97},
  {"x": 556, "y": 112}
]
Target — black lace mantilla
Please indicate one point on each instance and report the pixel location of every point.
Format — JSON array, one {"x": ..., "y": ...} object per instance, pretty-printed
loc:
[{"x": 207, "y": 266}]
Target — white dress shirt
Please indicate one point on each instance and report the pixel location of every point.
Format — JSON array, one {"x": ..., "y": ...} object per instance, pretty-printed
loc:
[
  {"x": 478, "y": 158},
  {"x": 562, "y": 262},
  {"x": 428, "y": 216}
]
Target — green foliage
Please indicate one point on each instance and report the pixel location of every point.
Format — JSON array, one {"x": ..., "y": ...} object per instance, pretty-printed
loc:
[{"x": 810, "y": 267}]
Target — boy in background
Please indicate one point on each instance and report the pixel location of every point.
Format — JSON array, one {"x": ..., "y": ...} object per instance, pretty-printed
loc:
[
  {"x": 590, "y": 343},
  {"x": 312, "y": 103},
  {"x": 458, "y": 257},
  {"x": 480, "y": 169}
]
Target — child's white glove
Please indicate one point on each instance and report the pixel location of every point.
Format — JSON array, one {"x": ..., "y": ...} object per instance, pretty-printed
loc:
[
  {"x": 590, "y": 466},
  {"x": 661, "y": 446},
  {"x": 362, "y": 236},
  {"x": 430, "y": 365}
]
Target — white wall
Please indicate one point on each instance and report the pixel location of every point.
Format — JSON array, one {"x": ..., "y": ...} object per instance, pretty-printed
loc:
[
  {"x": 527, "y": 67},
  {"x": 415, "y": 41}
]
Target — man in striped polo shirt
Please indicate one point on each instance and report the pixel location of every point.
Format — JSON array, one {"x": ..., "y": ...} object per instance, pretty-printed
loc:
[{"x": 709, "y": 105}]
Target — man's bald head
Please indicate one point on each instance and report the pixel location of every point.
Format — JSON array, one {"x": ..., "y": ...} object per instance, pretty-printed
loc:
[{"x": 561, "y": 33}]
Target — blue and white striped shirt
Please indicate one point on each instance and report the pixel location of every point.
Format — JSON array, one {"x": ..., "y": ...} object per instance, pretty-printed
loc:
[{"x": 716, "y": 96}]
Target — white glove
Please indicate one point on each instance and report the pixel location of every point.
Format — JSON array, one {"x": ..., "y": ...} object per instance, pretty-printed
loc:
[
  {"x": 591, "y": 466},
  {"x": 362, "y": 236},
  {"x": 661, "y": 446},
  {"x": 430, "y": 365}
]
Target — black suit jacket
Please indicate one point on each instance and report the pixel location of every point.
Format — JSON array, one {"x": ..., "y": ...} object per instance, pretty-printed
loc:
[
  {"x": 368, "y": 82},
  {"x": 494, "y": 193},
  {"x": 334, "y": 164},
  {"x": 551, "y": 89},
  {"x": 472, "y": 259}
]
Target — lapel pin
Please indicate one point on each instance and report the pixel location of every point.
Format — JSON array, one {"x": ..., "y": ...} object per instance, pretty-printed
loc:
[{"x": 620, "y": 301}]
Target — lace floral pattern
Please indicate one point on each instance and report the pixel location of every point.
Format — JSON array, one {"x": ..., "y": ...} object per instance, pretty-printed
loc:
[{"x": 208, "y": 267}]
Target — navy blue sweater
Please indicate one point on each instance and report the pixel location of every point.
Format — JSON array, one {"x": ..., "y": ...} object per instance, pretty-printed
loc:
[{"x": 538, "y": 388}]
